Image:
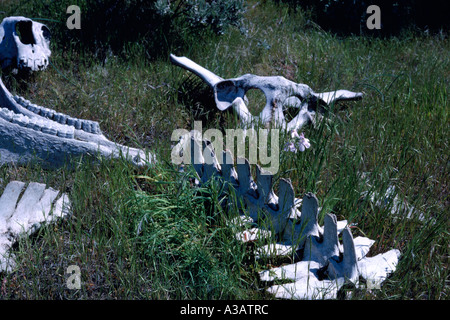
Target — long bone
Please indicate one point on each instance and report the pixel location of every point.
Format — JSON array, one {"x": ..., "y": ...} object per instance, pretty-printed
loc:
[
  {"x": 280, "y": 94},
  {"x": 29, "y": 132},
  {"x": 326, "y": 265}
]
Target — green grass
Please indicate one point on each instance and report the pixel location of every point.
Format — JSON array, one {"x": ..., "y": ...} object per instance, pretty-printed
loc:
[{"x": 147, "y": 234}]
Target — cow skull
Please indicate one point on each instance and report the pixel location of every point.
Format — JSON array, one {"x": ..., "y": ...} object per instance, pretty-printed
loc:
[
  {"x": 24, "y": 44},
  {"x": 280, "y": 94},
  {"x": 29, "y": 132}
]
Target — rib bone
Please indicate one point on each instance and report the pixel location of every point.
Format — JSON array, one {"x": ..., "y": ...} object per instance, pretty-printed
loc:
[{"x": 22, "y": 214}]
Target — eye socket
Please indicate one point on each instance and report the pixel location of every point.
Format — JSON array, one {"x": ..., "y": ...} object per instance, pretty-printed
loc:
[
  {"x": 46, "y": 33},
  {"x": 256, "y": 100},
  {"x": 24, "y": 32}
]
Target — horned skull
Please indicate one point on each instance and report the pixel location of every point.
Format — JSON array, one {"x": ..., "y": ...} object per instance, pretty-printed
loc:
[
  {"x": 280, "y": 94},
  {"x": 24, "y": 44}
]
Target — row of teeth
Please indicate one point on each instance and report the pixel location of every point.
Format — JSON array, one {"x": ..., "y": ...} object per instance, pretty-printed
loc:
[
  {"x": 79, "y": 124},
  {"x": 35, "y": 64},
  {"x": 37, "y": 124}
]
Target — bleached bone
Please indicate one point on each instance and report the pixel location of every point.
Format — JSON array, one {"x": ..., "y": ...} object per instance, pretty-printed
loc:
[
  {"x": 23, "y": 212},
  {"x": 391, "y": 199},
  {"x": 326, "y": 264},
  {"x": 24, "y": 44},
  {"x": 280, "y": 94},
  {"x": 29, "y": 132}
]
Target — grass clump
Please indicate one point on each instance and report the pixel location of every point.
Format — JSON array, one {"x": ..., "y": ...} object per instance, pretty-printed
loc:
[{"x": 186, "y": 237}]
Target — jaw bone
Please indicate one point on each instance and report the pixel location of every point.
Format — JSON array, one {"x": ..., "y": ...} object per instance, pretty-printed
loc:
[
  {"x": 280, "y": 94},
  {"x": 29, "y": 132}
]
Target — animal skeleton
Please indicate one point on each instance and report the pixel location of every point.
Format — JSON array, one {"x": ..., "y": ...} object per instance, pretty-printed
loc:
[
  {"x": 326, "y": 264},
  {"x": 29, "y": 132},
  {"x": 24, "y": 44},
  {"x": 280, "y": 94}
]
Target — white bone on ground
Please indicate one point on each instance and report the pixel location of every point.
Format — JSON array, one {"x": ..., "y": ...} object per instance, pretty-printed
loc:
[
  {"x": 8, "y": 202},
  {"x": 377, "y": 268},
  {"x": 22, "y": 215}
]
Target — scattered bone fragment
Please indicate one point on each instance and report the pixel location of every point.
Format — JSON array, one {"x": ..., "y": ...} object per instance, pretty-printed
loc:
[{"x": 23, "y": 210}]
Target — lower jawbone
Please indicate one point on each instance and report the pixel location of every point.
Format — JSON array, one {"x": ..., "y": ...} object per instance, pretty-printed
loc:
[{"x": 30, "y": 133}]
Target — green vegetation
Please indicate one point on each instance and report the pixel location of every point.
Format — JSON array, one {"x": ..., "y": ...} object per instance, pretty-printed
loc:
[{"x": 147, "y": 234}]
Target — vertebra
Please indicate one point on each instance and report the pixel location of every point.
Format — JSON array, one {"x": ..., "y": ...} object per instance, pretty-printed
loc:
[{"x": 29, "y": 132}]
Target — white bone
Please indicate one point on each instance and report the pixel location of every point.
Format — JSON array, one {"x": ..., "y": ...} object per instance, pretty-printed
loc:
[
  {"x": 33, "y": 134},
  {"x": 391, "y": 199},
  {"x": 8, "y": 201},
  {"x": 252, "y": 234},
  {"x": 308, "y": 287},
  {"x": 377, "y": 268},
  {"x": 280, "y": 94},
  {"x": 210, "y": 78},
  {"x": 326, "y": 264},
  {"x": 21, "y": 215},
  {"x": 34, "y": 54}
]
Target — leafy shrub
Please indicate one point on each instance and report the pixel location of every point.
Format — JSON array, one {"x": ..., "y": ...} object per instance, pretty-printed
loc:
[{"x": 216, "y": 14}]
